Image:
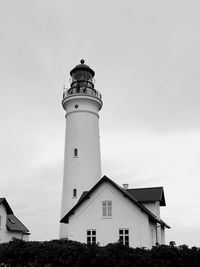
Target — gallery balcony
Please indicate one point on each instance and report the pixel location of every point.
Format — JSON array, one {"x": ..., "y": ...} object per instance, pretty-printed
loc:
[{"x": 81, "y": 91}]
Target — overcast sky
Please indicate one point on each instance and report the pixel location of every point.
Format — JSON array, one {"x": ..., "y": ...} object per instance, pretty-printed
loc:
[{"x": 147, "y": 61}]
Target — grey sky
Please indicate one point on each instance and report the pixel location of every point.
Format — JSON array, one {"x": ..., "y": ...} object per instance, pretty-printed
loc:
[{"x": 147, "y": 60}]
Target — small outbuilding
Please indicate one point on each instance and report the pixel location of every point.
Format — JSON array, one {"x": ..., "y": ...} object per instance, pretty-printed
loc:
[{"x": 10, "y": 226}]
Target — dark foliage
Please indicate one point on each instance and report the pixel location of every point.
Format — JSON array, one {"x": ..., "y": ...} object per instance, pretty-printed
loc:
[{"x": 58, "y": 253}]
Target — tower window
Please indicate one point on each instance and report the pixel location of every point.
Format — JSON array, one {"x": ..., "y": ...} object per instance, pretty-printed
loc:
[
  {"x": 91, "y": 236},
  {"x": 76, "y": 106},
  {"x": 74, "y": 192},
  {"x": 107, "y": 209},
  {"x": 124, "y": 236},
  {"x": 75, "y": 152}
]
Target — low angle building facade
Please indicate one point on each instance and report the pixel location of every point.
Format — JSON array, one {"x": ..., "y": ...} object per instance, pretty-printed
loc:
[{"x": 95, "y": 209}]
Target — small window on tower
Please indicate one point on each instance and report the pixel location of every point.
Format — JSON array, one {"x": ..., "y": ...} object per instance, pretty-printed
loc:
[
  {"x": 74, "y": 192},
  {"x": 75, "y": 152}
]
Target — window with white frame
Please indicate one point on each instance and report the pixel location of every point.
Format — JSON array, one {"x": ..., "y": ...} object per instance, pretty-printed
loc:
[
  {"x": 91, "y": 236},
  {"x": 107, "y": 208},
  {"x": 124, "y": 236}
]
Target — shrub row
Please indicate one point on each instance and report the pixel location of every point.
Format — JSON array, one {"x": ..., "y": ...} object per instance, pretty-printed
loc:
[{"x": 55, "y": 253}]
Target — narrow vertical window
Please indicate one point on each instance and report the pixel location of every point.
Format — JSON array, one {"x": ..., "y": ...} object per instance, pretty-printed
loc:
[
  {"x": 107, "y": 208},
  {"x": 91, "y": 236},
  {"x": 124, "y": 236},
  {"x": 74, "y": 192},
  {"x": 75, "y": 152}
]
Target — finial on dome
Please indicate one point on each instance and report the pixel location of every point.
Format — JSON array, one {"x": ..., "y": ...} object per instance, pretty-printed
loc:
[{"x": 82, "y": 67}]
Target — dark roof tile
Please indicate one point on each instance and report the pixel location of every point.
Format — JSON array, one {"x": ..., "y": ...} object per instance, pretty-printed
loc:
[
  {"x": 150, "y": 194},
  {"x": 6, "y": 205},
  {"x": 14, "y": 224}
]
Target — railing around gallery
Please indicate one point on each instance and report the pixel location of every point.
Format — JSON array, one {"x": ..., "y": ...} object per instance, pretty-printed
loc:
[{"x": 81, "y": 90}]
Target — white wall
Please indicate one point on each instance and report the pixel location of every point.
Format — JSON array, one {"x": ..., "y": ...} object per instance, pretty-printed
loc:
[
  {"x": 82, "y": 132},
  {"x": 125, "y": 215},
  {"x": 162, "y": 235},
  {"x": 152, "y": 230},
  {"x": 5, "y": 234},
  {"x": 153, "y": 207},
  {"x": 157, "y": 234}
]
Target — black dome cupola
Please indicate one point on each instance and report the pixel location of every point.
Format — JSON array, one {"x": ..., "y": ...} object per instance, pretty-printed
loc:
[
  {"x": 82, "y": 82},
  {"x": 82, "y": 75},
  {"x": 82, "y": 71}
]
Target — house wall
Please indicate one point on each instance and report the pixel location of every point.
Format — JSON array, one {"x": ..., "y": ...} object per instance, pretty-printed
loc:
[
  {"x": 162, "y": 235},
  {"x": 124, "y": 215},
  {"x": 152, "y": 230},
  {"x": 157, "y": 234},
  {"x": 5, "y": 234},
  {"x": 153, "y": 207}
]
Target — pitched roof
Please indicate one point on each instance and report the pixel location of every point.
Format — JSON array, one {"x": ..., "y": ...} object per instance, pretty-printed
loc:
[
  {"x": 164, "y": 224},
  {"x": 12, "y": 222},
  {"x": 83, "y": 195},
  {"x": 125, "y": 193},
  {"x": 6, "y": 205},
  {"x": 150, "y": 194},
  {"x": 144, "y": 195}
]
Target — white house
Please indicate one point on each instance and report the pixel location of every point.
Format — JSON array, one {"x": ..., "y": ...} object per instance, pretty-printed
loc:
[
  {"x": 109, "y": 213},
  {"x": 10, "y": 226},
  {"x": 96, "y": 209}
]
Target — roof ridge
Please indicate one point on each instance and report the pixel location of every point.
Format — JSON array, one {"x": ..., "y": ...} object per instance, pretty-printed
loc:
[{"x": 138, "y": 188}]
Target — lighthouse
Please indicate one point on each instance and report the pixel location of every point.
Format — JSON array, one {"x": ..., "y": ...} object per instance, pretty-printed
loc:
[{"x": 82, "y": 161}]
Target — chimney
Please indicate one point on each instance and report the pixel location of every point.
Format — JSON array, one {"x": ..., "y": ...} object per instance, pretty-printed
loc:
[{"x": 125, "y": 186}]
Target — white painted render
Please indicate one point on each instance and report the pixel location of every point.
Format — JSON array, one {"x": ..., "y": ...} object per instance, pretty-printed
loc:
[
  {"x": 5, "y": 234},
  {"x": 162, "y": 231},
  {"x": 154, "y": 208},
  {"x": 81, "y": 172},
  {"x": 125, "y": 214},
  {"x": 158, "y": 232}
]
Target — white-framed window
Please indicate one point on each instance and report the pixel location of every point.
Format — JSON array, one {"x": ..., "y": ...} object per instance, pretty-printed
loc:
[
  {"x": 91, "y": 236},
  {"x": 107, "y": 208},
  {"x": 124, "y": 236}
]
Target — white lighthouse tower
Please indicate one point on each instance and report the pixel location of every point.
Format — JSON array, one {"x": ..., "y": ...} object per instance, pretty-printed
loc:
[{"x": 82, "y": 162}]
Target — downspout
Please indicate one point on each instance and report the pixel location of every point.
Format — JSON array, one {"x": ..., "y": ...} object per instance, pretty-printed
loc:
[{"x": 157, "y": 234}]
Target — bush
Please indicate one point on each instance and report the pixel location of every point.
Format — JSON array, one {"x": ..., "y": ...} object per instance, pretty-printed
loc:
[{"x": 58, "y": 253}]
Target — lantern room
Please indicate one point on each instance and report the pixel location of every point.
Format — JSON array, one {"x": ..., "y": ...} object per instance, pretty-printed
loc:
[
  {"x": 82, "y": 82},
  {"x": 82, "y": 72}
]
